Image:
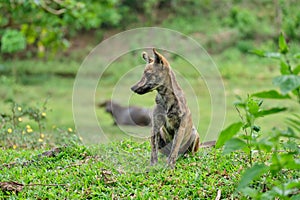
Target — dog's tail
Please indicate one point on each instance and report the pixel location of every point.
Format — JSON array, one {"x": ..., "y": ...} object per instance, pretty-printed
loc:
[{"x": 208, "y": 144}]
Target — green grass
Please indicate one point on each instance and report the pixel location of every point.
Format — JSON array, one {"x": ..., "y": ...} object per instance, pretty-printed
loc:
[{"x": 119, "y": 170}]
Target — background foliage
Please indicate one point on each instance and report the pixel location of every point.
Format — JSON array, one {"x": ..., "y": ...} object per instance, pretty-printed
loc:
[
  {"x": 40, "y": 26},
  {"x": 47, "y": 24}
]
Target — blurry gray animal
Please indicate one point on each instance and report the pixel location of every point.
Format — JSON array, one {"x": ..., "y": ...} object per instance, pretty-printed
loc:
[{"x": 132, "y": 115}]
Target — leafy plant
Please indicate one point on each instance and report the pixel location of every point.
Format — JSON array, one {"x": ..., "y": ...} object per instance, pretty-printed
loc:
[
  {"x": 270, "y": 153},
  {"x": 24, "y": 127},
  {"x": 249, "y": 141},
  {"x": 289, "y": 80},
  {"x": 12, "y": 41},
  {"x": 243, "y": 20}
]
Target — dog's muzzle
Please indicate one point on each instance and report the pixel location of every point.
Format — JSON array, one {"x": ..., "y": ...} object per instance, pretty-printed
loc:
[{"x": 140, "y": 90}]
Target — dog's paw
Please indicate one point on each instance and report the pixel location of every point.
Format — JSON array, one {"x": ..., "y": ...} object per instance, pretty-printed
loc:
[
  {"x": 153, "y": 161},
  {"x": 171, "y": 162}
]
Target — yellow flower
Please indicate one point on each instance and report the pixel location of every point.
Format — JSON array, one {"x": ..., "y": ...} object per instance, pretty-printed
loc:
[
  {"x": 80, "y": 138},
  {"x": 14, "y": 146},
  {"x": 20, "y": 119},
  {"x": 19, "y": 108},
  {"x": 70, "y": 129},
  {"x": 23, "y": 132},
  {"x": 43, "y": 114},
  {"x": 29, "y": 130},
  {"x": 42, "y": 135},
  {"x": 9, "y": 130},
  {"x": 40, "y": 140}
]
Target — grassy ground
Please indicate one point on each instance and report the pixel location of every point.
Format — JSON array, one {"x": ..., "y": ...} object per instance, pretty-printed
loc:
[{"x": 118, "y": 171}]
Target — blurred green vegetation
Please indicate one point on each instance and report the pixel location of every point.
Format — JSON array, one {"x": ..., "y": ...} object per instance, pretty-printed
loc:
[
  {"x": 43, "y": 27},
  {"x": 44, "y": 42}
]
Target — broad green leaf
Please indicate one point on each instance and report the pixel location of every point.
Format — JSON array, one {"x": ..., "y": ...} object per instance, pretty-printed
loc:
[
  {"x": 294, "y": 122},
  {"x": 247, "y": 191},
  {"x": 271, "y": 94},
  {"x": 265, "y": 54},
  {"x": 267, "y": 195},
  {"x": 233, "y": 144},
  {"x": 283, "y": 47},
  {"x": 286, "y": 161},
  {"x": 287, "y": 83},
  {"x": 270, "y": 111},
  {"x": 265, "y": 144},
  {"x": 251, "y": 174},
  {"x": 297, "y": 55},
  {"x": 252, "y": 106},
  {"x": 295, "y": 197},
  {"x": 289, "y": 133},
  {"x": 281, "y": 191},
  {"x": 228, "y": 133},
  {"x": 272, "y": 55},
  {"x": 258, "y": 52},
  {"x": 296, "y": 70},
  {"x": 291, "y": 146},
  {"x": 290, "y": 162},
  {"x": 284, "y": 68},
  {"x": 275, "y": 164},
  {"x": 239, "y": 103},
  {"x": 293, "y": 184}
]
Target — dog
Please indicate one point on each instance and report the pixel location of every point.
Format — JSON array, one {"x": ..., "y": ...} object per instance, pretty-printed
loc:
[
  {"x": 173, "y": 132},
  {"x": 132, "y": 115}
]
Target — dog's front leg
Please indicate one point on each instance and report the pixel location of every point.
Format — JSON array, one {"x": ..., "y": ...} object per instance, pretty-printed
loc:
[
  {"x": 154, "y": 148},
  {"x": 158, "y": 121},
  {"x": 178, "y": 137}
]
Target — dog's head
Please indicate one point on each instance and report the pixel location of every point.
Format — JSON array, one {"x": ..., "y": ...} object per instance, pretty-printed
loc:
[{"x": 154, "y": 74}]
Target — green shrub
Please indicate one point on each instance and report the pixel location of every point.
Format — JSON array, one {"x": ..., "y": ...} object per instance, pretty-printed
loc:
[
  {"x": 243, "y": 20},
  {"x": 47, "y": 25},
  {"x": 245, "y": 45},
  {"x": 290, "y": 21},
  {"x": 24, "y": 127},
  {"x": 12, "y": 41}
]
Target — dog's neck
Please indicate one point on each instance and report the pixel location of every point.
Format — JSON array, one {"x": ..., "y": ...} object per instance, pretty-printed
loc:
[
  {"x": 169, "y": 92},
  {"x": 166, "y": 89}
]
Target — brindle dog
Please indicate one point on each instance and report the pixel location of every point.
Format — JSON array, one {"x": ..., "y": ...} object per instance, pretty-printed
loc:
[{"x": 173, "y": 131}]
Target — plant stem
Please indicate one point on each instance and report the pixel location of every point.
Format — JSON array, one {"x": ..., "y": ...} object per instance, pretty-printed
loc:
[
  {"x": 250, "y": 156},
  {"x": 13, "y": 115}
]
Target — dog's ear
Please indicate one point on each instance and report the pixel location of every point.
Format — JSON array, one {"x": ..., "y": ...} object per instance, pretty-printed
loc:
[
  {"x": 159, "y": 59},
  {"x": 146, "y": 57}
]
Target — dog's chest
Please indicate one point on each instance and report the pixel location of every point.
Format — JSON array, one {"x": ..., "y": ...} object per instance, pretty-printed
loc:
[
  {"x": 171, "y": 111},
  {"x": 172, "y": 119}
]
